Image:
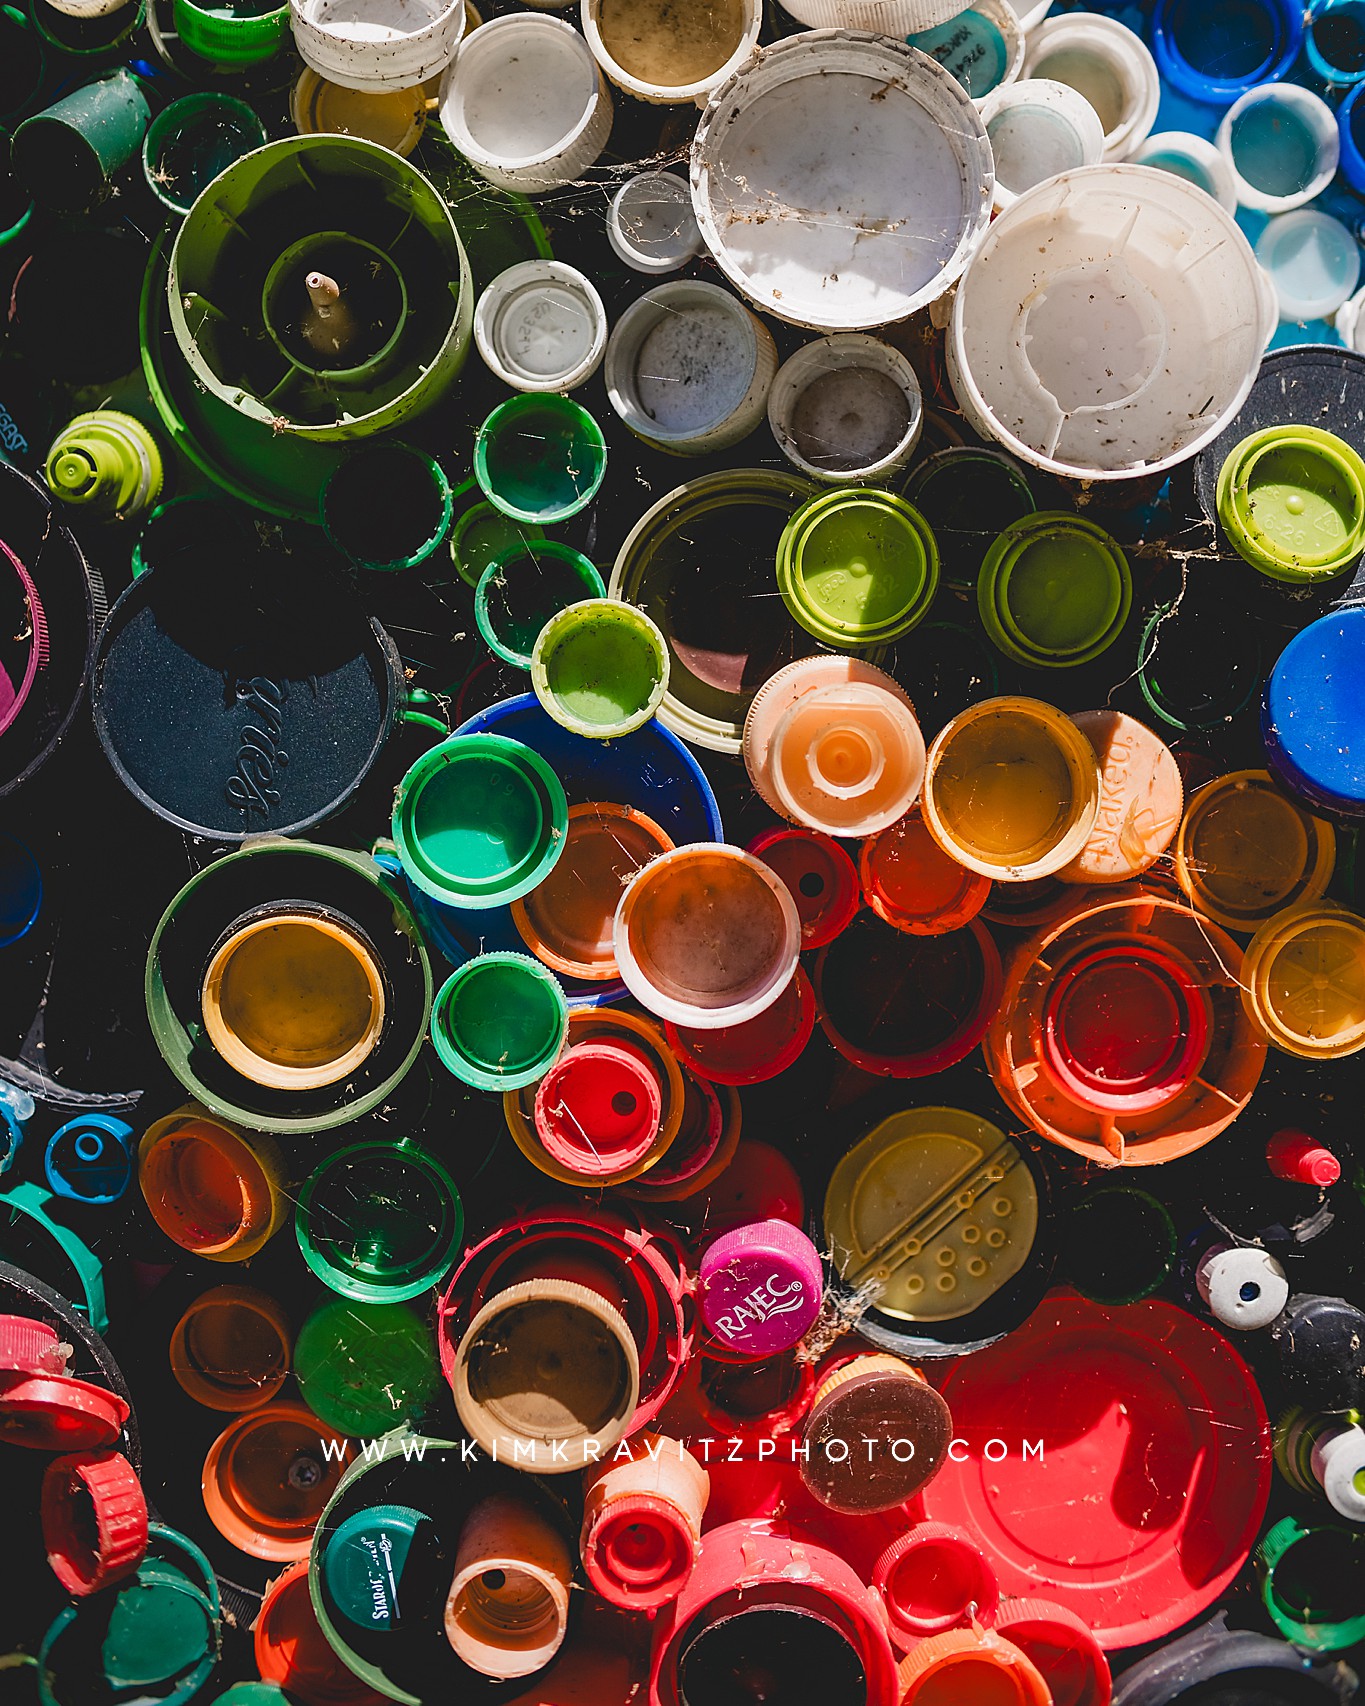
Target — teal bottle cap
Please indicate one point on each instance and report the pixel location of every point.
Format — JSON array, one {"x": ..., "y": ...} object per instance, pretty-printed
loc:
[
  {"x": 600, "y": 668},
  {"x": 1054, "y": 591},
  {"x": 364, "y": 1368},
  {"x": 857, "y": 568},
  {"x": 1291, "y": 500},
  {"x": 500, "y": 1022},
  {"x": 479, "y": 821},
  {"x": 539, "y": 457},
  {"x": 523, "y": 588},
  {"x": 253, "y": 1694},
  {"x": 380, "y": 1569}
]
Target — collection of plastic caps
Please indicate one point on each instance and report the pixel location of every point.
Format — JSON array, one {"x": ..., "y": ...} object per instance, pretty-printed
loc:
[{"x": 652, "y": 1424}]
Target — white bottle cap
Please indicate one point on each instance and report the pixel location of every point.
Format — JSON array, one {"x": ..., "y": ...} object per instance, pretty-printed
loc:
[
  {"x": 541, "y": 326},
  {"x": 651, "y": 225},
  {"x": 1313, "y": 262},
  {"x": 1339, "y": 1464},
  {"x": 1242, "y": 1286}
]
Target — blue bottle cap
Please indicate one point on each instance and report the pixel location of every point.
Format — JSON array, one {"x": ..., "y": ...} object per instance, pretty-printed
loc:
[
  {"x": 378, "y": 1567},
  {"x": 90, "y": 1159},
  {"x": 1216, "y": 53},
  {"x": 1313, "y": 714}
]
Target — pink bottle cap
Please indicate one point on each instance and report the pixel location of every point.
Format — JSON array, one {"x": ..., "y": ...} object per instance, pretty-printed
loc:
[{"x": 761, "y": 1287}]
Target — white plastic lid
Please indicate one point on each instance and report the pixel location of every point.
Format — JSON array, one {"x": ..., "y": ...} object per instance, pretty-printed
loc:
[
  {"x": 1037, "y": 130},
  {"x": 1313, "y": 262},
  {"x": 651, "y": 225},
  {"x": 1339, "y": 1465},
  {"x": 1242, "y": 1286},
  {"x": 1350, "y": 323},
  {"x": 1191, "y": 157},
  {"x": 1104, "y": 61},
  {"x": 1282, "y": 144},
  {"x": 541, "y": 326}
]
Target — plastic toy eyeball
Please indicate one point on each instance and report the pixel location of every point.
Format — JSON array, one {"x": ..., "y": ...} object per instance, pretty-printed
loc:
[{"x": 1245, "y": 1287}]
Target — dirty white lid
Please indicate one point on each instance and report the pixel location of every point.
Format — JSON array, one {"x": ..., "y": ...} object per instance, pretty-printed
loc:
[
  {"x": 1350, "y": 323},
  {"x": 1037, "y": 129},
  {"x": 1282, "y": 144},
  {"x": 1242, "y": 1287},
  {"x": 541, "y": 326},
  {"x": 650, "y": 223}
]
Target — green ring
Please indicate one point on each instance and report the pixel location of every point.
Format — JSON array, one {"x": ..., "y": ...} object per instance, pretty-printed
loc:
[
  {"x": 481, "y": 1071},
  {"x": 588, "y": 442},
  {"x": 593, "y": 586}
]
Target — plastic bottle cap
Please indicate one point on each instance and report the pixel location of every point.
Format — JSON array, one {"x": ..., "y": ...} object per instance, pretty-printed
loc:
[
  {"x": 1060, "y": 1644},
  {"x": 857, "y": 568},
  {"x": 797, "y": 1647},
  {"x": 1242, "y": 1286},
  {"x": 524, "y": 588},
  {"x": 31, "y": 1347},
  {"x": 508, "y": 1606},
  {"x": 757, "y": 1050},
  {"x": 600, "y": 668},
  {"x": 761, "y": 1288},
  {"x": 819, "y": 875},
  {"x": 883, "y": 1400},
  {"x": 483, "y": 533},
  {"x": 1054, "y": 590},
  {"x": 394, "y": 119},
  {"x": 913, "y": 885},
  {"x": 1038, "y": 127},
  {"x": 94, "y": 1520},
  {"x": 1120, "y": 1245},
  {"x": 976, "y": 1665},
  {"x": 1282, "y": 144},
  {"x": 267, "y": 1480},
  {"x": 1321, "y": 1341},
  {"x": 931, "y": 1578},
  {"x": 500, "y": 1021},
  {"x": 207, "y": 1189},
  {"x": 651, "y": 225},
  {"x": 1312, "y": 710},
  {"x": 540, "y": 458},
  {"x": 642, "y": 1523},
  {"x": 541, "y": 326},
  {"x": 1303, "y": 982},
  {"x": 55, "y": 1413},
  {"x": 230, "y": 1349},
  {"x": 1245, "y": 851},
  {"x": 377, "y": 1569},
  {"x": 961, "y": 1220},
  {"x": 163, "y": 1625},
  {"x": 1193, "y": 158},
  {"x": 1310, "y": 1583},
  {"x": 1292, "y": 501},
  {"x": 290, "y": 1648},
  {"x": 1313, "y": 262},
  {"x": 1196, "y": 50},
  {"x": 88, "y": 1159},
  {"x": 598, "y": 1109},
  {"x": 366, "y": 1368},
  {"x": 1141, "y": 797},
  {"x": 1295, "y": 1156},
  {"x": 1338, "y": 1461}
]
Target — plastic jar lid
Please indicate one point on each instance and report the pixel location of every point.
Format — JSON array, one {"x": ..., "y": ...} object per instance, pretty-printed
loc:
[
  {"x": 208, "y": 1189},
  {"x": 1217, "y": 56},
  {"x": 230, "y": 1349},
  {"x": 1038, "y": 128},
  {"x": 1141, "y": 796},
  {"x": 707, "y": 936},
  {"x": 482, "y": 533},
  {"x": 819, "y": 875},
  {"x": 913, "y": 885},
  {"x": 379, "y": 1222},
  {"x": 761, "y": 1288},
  {"x": 1313, "y": 262},
  {"x": 971, "y": 1664},
  {"x": 884, "y": 1400},
  {"x": 931, "y": 1578},
  {"x": 479, "y": 821},
  {"x": 500, "y": 1021},
  {"x": 598, "y": 1110},
  {"x": 1310, "y": 1579},
  {"x": 1119, "y": 1245},
  {"x": 600, "y": 668},
  {"x": 267, "y": 1481},
  {"x": 858, "y": 568},
  {"x": 1282, "y": 144},
  {"x": 541, "y": 326},
  {"x": 758, "y": 1049},
  {"x": 291, "y": 1649},
  {"x": 566, "y": 920},
  {"x": 1303, "y": 981},
  {"x": 524, "y": 588},
  {"x": 1246, "y": 851},
  {"x": 1054, "y": 590},
  {"x": 1312, "y": 709},
  {"x": 1011, "y": 789},
  {"x": 551, "y": 1366},
  {"x": 379, "y": 1569},
  {"x": 651, "y": 225},
  {"x": 395, "y": 118},
  {"x": 94, "y": 1520},
  {"x": 1193, "y": 158},
  {"x": 1107, "y": 64},
  {"x": 540, "y": 458},
  {"x": 982, "y": 47},
  {"x": 366, "y": 1368},
  {"x": 1292, "y": 501},
  {"x": 1060, "y": 1644},
  {"x": 964, "y": 1221}
]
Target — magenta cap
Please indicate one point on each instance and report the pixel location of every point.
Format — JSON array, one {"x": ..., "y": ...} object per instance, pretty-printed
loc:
[{"x": 760, "y": 1288}]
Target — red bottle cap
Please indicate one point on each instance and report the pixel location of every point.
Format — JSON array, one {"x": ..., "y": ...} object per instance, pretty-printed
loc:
[
  {"x": 820, "y": 875},
  {"x": 913, "y": 885},
  {"x": 638, "y": 1552},
  {"x": 761, "y": 1287},
  {"x": 759, "y": 1184},
  {"x": 760, "y": 1048},
  {"x": 1061, "y": 1646},
  {"x": 931, "y": 1579},
  {"x": 56, "y": 1413},
  {"x": 1293, "y": 1155},
  {"x": 94, "y": 1520},
  {"x": 291, "y": 1649},
  {"x": 30, "y": 1347},
  {"x": 598, "y": 1108}
]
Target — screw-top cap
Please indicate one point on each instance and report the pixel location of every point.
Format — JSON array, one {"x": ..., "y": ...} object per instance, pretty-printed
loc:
[
  {"x": 1141, "y": 796},
  {"x": 1310, "y": 1582},
  {"x": 291, "y": 1649},
  {"x": 1295, "y": 1156},
  {"x": 882, "y": 1400},
  {"x": 598, "y": 1109},
  {"x": 600, "y": 668},
  {"x": 540, "y": 458},
  {"x": 31, "y": 1347},
  {"x": 230, "y": 1349},
  {"x": 94, "y": 1520},
  {"x": 1247, "y": 851},
  {"x": 1061, "y": 1645},
  {"x": 526, "y": 586},
  {"x": 931, "y": 1578},
  {"x": 971, "y": 1664},
  {"x": 107, "y": 463},
  {"x": 1313, "y": 713},
  {"x": 1054, "y": 590},
  {"x": 381, "y": 1569},
  {"x": 364, "y": 1368},
  {"x": 208, "y": 1188},
  {"x": 1292, "y": 503},
  {"x": 1321, "y": 1341},
  {"x": 642, "y": 1523},
  {"x": 56, "y": 1413},
  {"x": 508, "y": 1606},
  {"x": 499, "y": 1022},
  {"x": 1242, "y": 1286},
  {"x": 162, "y": 1626},
  {"x": 857, "y": 568},
  {"x": 267, "y": 1481},
  {"x": 1303, "y": 981},
  {"x": 756, "y": 1050},
  {"x": 913, "y": 885},
  {"x": 819, "y": 875},
  {"x": 761, "y": 1288},
  {"x": 88, "y": 1159}
]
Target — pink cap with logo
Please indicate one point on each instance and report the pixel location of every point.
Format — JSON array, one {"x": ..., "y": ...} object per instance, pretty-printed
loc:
[{"x": 761, "y": 1287}]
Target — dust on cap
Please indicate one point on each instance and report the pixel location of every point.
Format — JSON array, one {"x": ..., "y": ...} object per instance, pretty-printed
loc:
[{"x": 1291, "y": 500}]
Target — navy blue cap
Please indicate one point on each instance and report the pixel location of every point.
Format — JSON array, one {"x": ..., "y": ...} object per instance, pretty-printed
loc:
[{"x": 1313, "y": 714}]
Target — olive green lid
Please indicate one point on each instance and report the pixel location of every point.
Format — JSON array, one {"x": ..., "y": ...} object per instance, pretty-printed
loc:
[
  {"x": 1054, "y": 590},
  {"x": 857, "y": 568},
  {"x": 1291, "y": 500}
]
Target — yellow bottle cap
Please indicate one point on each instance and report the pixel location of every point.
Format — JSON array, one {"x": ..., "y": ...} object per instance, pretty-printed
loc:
[
  {"x": 1246, "y": 851},
  {"x": 1303, "y": 981}
]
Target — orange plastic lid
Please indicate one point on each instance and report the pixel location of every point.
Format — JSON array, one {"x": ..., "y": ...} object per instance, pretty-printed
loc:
[
  {"x": 291, "y": 1649},
  {"x": 230, "y": 1349},
  {"x": 913, "y": 885},
  {"x": 268, "y": 1477},
  {"x": 971, "y": 1667},
  {"x": 207, "y": 1187}
]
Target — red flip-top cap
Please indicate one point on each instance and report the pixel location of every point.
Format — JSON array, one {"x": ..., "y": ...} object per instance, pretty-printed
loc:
[
  {"x": 55, "y": 1413},
  {"x": 94, "y": 1519},
  {"x": 30, "y": 1347}
]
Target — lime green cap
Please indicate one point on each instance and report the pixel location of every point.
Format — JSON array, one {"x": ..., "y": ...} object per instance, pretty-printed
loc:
[
  {"x": 1291, "y": 500},
  {"x": 105, "y": 462},
  {"x": 1054, "y": 590},
  {"x": 522, "y": 588},
  {"x": 382, "y": 1568},
  {"x": 379, "y": 1222},
  {"x": 857, "y": 568},
  {"x": 227, "y": 34},
  {"x": 364, "y": 1368},
  {"x": 482, "y": 533},
  {"x": 500, "y": 1021},
  {"x": 540, "y": 457},
  {"x": 600, "y": 668}
]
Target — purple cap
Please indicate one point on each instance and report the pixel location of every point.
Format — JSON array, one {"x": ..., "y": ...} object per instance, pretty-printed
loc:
[{"x": 760, "y": 1288}]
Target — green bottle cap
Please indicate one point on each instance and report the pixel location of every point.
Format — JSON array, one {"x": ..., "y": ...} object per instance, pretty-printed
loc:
[
  {"x": 857, "y": 568},
  {"x": 364, "y": 1368},
  {"x": 522, "y": 588},
  {"x": 387, "y": 506},
  {"x": 483, "y": 533},
  {"x": 66, "y": 155},
  {"x": 600, "y": 668},
  {"x": 1291, "y": 500},
  {"x": 1054, "y": 591},
  {"x": 540, "y": 457},
  {"x": 500, "y": 1021},
  {"x": 479, "y": 821},
  {"x": 382, "y": 1568},
  {"x": 107, "y": 463},
  {"x": 253, "y": 1694},
  {"x": 379, "y": 1222},
  {"x": 229, "y": 34}
]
